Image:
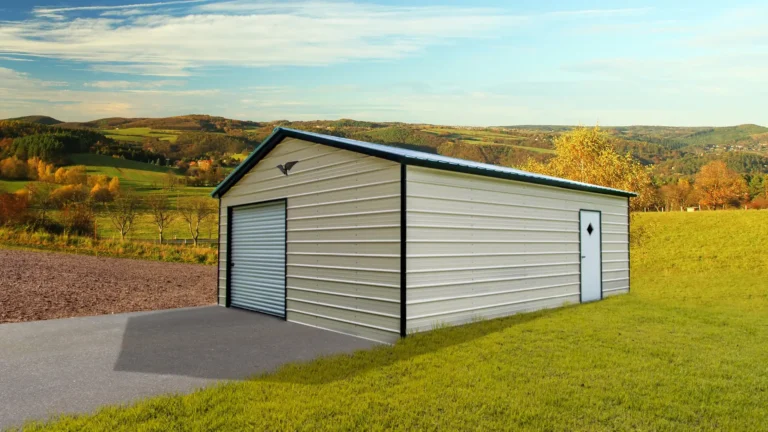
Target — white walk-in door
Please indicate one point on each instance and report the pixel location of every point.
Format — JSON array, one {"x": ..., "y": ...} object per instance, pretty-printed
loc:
[
  {"x": 257, "y": 258},
  {"x": 591, "y": 267}
]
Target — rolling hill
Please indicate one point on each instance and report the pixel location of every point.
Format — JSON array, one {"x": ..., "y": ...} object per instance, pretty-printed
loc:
[
  {"x": 39, "y": 119},
  {"x": 193, "y": 122},
  {"x": 673, "y": 150}
]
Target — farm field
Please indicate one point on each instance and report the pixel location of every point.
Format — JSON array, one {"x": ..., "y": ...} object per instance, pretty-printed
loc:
[
  {"x": 142, "y": 177},
  {"x": 138, "y": 134},
  {"x": 473, "y": 136},
  {"x": 136, "y": 175},
  {"x": 686, "y": 350}
]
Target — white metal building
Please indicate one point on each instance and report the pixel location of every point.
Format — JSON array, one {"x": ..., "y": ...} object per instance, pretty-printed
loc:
[{"x": 379, "y": 241}]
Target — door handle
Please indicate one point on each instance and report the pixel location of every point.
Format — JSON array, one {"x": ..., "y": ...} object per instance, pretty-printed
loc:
[{"x": 582, "y": 257}]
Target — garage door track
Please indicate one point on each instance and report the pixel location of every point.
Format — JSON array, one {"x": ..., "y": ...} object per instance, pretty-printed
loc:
[{"x": 78, "y": 364}]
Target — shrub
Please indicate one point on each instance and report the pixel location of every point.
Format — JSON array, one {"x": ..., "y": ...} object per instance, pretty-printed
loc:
[
  {"x": 100, "y": 194},
  {"x": 69, "y": 194},
  {"x": 78, "y": 219},
  {"x": 13, "y": 209},
  {"x": 87, "y": 245},
  {"x": 13, "y": 168}
]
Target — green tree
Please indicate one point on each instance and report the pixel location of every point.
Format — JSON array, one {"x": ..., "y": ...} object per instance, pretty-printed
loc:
[{"x": 757, "y": 186}]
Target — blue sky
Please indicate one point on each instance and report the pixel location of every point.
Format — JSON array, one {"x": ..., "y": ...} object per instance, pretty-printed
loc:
[{"x": 450, "y": 62}]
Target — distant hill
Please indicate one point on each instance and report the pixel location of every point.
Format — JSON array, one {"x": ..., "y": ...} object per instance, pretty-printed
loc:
[
  {"x": 39, "y": 119},
  {"x": 194, "y": 122},
  {"x": 673, "y": 151}
]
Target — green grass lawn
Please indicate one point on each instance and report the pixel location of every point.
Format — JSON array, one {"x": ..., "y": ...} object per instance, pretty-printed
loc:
[{"x": 686, "y": 350}]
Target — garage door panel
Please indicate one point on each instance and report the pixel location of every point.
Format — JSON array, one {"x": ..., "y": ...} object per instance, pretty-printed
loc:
[{"x": 257, "y": 279}]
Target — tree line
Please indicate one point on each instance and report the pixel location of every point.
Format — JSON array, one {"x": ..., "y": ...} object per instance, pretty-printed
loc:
[
  {"x": 588, "y": 155},
  {"x": 78, "y": 196}
]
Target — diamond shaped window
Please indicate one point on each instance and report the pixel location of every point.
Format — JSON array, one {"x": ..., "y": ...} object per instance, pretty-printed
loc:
[{"x": 590, "y": 229}]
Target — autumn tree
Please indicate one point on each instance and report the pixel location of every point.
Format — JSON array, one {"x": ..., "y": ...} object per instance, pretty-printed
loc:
[
  {"x": 719, "y": 186},
  {"x": 13, "y": 208},
  {"x": 677, "y": 195},
  {"x": 60, "y": 176},
  {"x": 39, "y": 197},
  {"x": 587, "y": 155},
  {"x": 194, "y": 211},
  {"x": 122, "y": 212},
  {"x": 114, "y": 186},
  {"x": 76, "y": 175},
  {"x": 13, "y": 168},
  {"x": 68, "y": 194},
  {"x": 100, "y": 194},
  {"x": 161, "y": 211}
]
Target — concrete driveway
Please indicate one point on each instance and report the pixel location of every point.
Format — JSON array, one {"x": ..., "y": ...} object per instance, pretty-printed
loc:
[{"x": 78, "y": 364}]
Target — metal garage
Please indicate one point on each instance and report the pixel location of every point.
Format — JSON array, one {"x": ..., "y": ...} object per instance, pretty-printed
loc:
[{"x": 379, "y": 241}]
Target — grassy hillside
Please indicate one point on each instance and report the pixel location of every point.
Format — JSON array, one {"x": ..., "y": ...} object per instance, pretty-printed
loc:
[
  {"x": 136, "y": 175},
  {"x": 137, "y": 134},
  {"x": 686, "y": 350}
]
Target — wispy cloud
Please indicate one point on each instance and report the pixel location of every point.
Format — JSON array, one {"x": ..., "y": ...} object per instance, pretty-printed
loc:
[
  {"x": 48, "y": 10},
  {"x": 15, "y": 59},
  {"x": 592, "y": 13},
  {"x": 279, "y": 34},
  {"x": 122, "y": 85}
]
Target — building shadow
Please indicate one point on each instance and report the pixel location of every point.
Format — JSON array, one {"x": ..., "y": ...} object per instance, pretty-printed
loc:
[
  {"x": 222, "y": 343},
  {"x": 230, "y": 344},
  {"x": 341, "y": 367}
]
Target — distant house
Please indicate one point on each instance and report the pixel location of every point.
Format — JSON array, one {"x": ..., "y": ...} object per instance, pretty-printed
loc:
[
  {"x": 693, "y": 209},
  {"x": 204, "y": 164}
]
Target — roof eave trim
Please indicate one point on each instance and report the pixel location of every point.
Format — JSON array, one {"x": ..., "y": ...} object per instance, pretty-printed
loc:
[{"x": 520, "y": 178}]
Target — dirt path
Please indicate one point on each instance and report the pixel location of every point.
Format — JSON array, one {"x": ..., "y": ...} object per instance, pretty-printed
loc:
[{"x": 45, "y": 285}]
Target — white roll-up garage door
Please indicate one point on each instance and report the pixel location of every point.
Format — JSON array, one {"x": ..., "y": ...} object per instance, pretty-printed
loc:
[{"x": 257, "y": 274}]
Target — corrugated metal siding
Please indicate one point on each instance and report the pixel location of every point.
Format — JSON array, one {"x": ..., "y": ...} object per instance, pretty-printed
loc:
[
  {"x": 480, "y": 247},
  {"x": 258, "y": 255},
  {"x": 343, "y": 244}
]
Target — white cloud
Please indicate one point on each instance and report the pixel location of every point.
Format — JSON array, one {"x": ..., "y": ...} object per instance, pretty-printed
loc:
[
  {"x": 15, "y": 59},
  {"x": 268, "y": 35},
  {"x": 592, "y": 13},
  {"x": 134, "y": 84}
]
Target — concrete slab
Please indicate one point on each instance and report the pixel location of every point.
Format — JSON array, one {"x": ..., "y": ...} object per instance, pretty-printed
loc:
[{"x": 75, "y": 365}]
